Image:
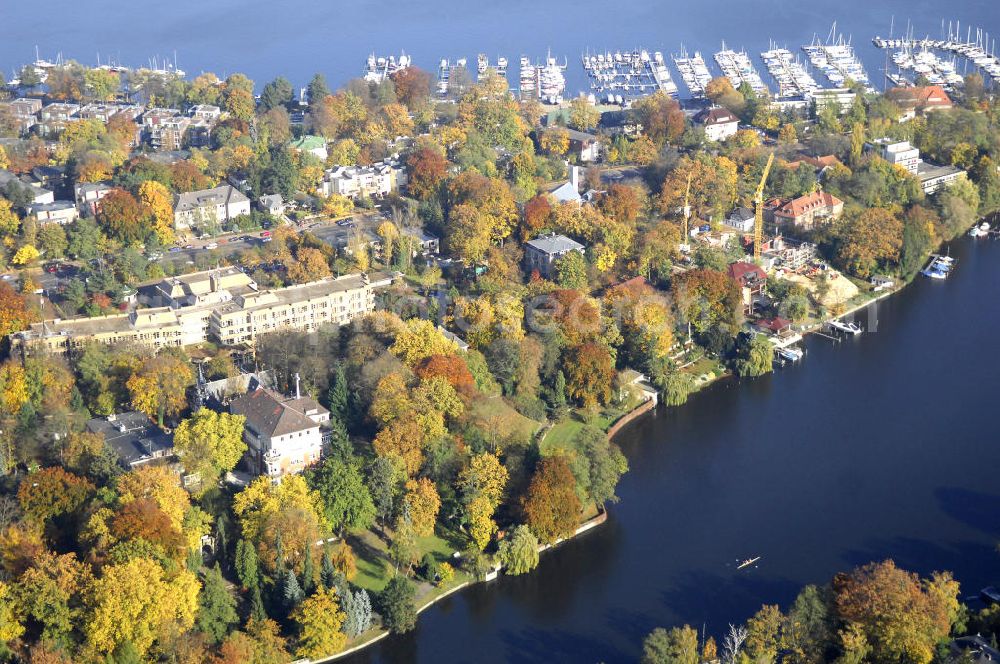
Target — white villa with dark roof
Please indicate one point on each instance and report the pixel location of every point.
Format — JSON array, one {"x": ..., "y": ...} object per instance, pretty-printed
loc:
[{"x": 282, "y": 433}]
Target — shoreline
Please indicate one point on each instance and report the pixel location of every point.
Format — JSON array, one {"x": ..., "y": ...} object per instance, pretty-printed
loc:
[{"x": 647, "y": 406}]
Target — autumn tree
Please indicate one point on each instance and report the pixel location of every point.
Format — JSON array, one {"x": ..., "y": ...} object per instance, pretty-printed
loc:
[
  {"x": 280, "y": 519},
  {"x": 537, "y": 212},
  {"x": 554, "y": 141},
  {"x": 583, "y": 115},
  {"x": 481, "y": 484},
  {"x": 121, "y": 216},
  {"x": 158, "y": 388},
  {"x": 899, "y": 616},
  {"x": 870, "y": 241},
  {"x": 309, "y": 265},
  {"x": 413, "y": 86},
  {"x": 50, "y": 492},
  {"x": 237, "y": 93},
  {"x": 551, "y": 506},
  {"x": 706, "y": 299},
  {"x": 133, "y": 602},
  {"x": 422, "y": 503},
  {"x": 209, "y": 444},
  {"x": 713, "y": 186},
  {"x": 427, "y": 169},
  {"x": 661, "y": 117},
  {"x": 590, "y": 374},
  {"x": 319, "y": 620},
  {"x": 156, "y": 202},
  {"x": 678, "y": 645},
  {"x": 14, "y": 314},
  {"x": 420, "y": 339}
]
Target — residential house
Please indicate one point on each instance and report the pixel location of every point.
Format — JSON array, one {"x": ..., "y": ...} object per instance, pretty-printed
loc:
[
  {"x": 719, "y": 123},
  {"x": 87, "y": 194},
  {"x": 804, "y": 211},
  {"x": 209, "y": 206},
  {"x": 103, "y": 112},
  {"x": 423, "y": 243},
  {"x": 568, "y": 192},
  {"x": 170, "y": 133},
  {"x": 742, "y": 219},
  {"x": 39, "y": 195},
  {"x": 272, "y": 204},
  {"x": 314, "y": 145},
  {"x": 54, "y": 118},
  {"x": 972, "y": 650},
  {"x": 134, "y": 438},
  {"x": 283, "y": 434},
  {"x": 23, "y": 111},
  {"x": 586, "y": 147},
  {"x": 542, "y": 252},
  {"x": 819, "y": 164},
  {"x": 57, "y": 212},
  {"x": 751, "y": 280},
  {"x": 206, "y": 112},
  {"x": 375, "y": 181},
  {"x": 919, "y": 100}
]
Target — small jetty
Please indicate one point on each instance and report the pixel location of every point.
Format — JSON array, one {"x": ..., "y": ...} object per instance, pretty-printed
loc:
[
  {"x": 844, "y": 328},
  {"x": 545, "y": 82},
  {"x": 939, "y": 267},
  {"x": 483, "y": 66},
  {"x": 748, "y": 562},
  {"x": 792, "y": 77},
  {"x": 736, "y": 66},
  {"x": 694, "y": 72},
  {"x": 976, "y": 47}
]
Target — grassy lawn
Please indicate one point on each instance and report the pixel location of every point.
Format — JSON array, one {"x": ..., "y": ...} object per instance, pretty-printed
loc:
[
  {"x": 497, "y": 412},
  {"x": 375, "y": 569},
  {"x": 561, "y": 435}
]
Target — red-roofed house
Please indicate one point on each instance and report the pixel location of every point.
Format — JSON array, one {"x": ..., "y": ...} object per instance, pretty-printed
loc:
[
  {"x": 918, "y": 100},
  {"x": 751, "y": 280},
  {"x": 805, "y": 211}
]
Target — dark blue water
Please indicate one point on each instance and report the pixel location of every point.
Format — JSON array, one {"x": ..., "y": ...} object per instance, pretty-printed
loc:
[
  {"x": 296, "y": 38},
  {"x": 883, "y": 446}
]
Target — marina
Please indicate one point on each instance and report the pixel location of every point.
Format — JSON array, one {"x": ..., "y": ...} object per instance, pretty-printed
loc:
[
  {"x": 627, "y": 74},
  {"x": 445, "y": 70},
  {"x": 836, "y": 59},
  {"x": 736, "y": 66},
  {"x": 977, "y": 47},
  {"x": 792, "y": 78},
  {"x": 939, "y": 267},
  {"x": 694, "y": 72},
  {"x": 926, "y": 63}
]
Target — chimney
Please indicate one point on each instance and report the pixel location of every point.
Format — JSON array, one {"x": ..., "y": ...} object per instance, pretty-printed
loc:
[
  {"x": 297, "y": 386},
  {"x": 574, "y": 176}
]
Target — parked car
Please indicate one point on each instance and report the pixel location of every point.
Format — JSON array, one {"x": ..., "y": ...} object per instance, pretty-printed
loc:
[
  {"x": 174, "y": 250},
  {"x": 212, "y": 245},
  {"x": 266, "y": 234}
]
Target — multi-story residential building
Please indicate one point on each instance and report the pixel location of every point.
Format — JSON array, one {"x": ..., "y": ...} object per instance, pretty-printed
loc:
[
  {"x": 220, "y": 308},
  {"x": 842, "y": 98},
  {"x": 934, "y": 177},
  {"x": 206, "y": 112},
  {"x": 283, "y": 434},
  {"x": 23, "y": 111},
  {"x": 209, "y": 206},
  {"x": 59, "y": 111},
  {"x": 542, "y": 253},
  {"x": 306, "y": 306},
  {"x": 39, "y": 195},
  {"x": 375, "y": 181},
  {"x": 897, "y": 153},
  {"x": 169, "y": 134},
  {"x": 586, "y": 147},
  {"x": 104, "y": 111}
]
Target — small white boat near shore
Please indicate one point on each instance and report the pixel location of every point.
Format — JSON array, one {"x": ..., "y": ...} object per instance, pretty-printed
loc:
[{"x": 846, "y": 328}]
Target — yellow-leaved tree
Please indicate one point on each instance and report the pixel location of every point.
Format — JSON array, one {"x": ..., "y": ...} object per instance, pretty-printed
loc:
[
  {"x": 134, "y": 602},
  {"x": 158, "y": 388},
  {"x": 210, "y": 444},
  {"x": 319, "y": 621},
  {"x": 422, "y": 504},
  {"x": 157, "y": 203}
]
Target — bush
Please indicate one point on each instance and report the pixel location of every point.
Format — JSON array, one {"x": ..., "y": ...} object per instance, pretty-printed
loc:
[{"x": 429, "y": 567}]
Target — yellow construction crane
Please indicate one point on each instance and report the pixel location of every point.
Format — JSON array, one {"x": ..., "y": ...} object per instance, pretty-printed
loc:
[
  {"x": 687, "y": 211},
  {"x": 758, "y": 222}
]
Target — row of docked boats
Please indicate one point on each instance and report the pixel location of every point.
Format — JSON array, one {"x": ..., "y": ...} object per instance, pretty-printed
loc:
[
  {"x": 939, "y": 267},
  {"x": 627, "y": 74},
  {"x": 736, "y": 66}
]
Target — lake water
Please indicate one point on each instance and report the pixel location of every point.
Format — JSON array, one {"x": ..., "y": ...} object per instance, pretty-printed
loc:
[
  {"x": 882, "y": 446},
  {"x": 296, "y": 38}
]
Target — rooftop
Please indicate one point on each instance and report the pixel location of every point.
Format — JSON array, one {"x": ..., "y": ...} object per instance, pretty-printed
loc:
[
  {"x": 132, "y": 436},
  {"x": 222, "y": 195},
  {"x": 555, "y": 244},
  {"x": 272, "y": 414}
]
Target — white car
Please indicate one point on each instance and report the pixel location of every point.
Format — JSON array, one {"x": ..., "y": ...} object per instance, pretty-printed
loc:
[{"x": 212, "y": 245}]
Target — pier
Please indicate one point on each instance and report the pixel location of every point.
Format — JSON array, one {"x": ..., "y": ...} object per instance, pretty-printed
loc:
[
  {"x": 792, "y": 77},
  {"x": 693, "y": 72},
  {"x": 627, "y": 74},
  {"x": 738, "y": 69}
]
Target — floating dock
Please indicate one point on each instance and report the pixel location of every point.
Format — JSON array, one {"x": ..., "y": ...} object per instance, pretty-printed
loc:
[
  {"x": 693, "y": 72},
  {"x": 736, "y": 66},
  {"x": 627, "y": 74},
  {"x": 836, "y": 59},
  {"x": 792, "y": 78}
]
